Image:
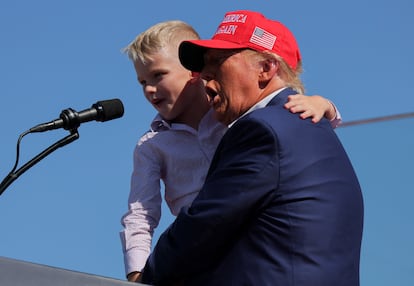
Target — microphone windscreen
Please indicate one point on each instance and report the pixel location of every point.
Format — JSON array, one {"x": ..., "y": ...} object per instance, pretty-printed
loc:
[{"x": 109, "y": 109}]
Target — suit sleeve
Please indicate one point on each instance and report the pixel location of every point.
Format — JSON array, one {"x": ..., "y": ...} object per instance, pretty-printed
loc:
[{"x": 243, "y": 176}]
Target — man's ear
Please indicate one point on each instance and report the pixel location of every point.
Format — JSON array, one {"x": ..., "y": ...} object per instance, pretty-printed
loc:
[
  {"x": 270, "y": 65},
  {"x": 269, "y": 69}
]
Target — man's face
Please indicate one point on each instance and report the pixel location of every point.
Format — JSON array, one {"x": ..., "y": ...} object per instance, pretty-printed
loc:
[
  {"x": 231, "y": 82},
  {"x": 164, "y": 81}
]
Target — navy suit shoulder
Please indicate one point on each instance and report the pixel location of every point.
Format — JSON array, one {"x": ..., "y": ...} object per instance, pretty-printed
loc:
[{"x": 281, "y": 205}]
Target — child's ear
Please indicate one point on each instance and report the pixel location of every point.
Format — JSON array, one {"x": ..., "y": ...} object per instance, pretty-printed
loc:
[{"x": 195, "y": 74}]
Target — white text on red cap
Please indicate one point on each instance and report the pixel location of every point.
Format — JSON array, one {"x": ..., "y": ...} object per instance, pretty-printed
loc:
[{"x": 236, "y": 18}]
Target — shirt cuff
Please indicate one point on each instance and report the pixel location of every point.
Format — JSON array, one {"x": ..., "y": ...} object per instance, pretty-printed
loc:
[
  {"x": 135, "y": 260},
  {"x": 337, "y": 120}
]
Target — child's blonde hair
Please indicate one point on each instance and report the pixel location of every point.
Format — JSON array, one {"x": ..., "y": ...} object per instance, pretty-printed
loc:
[{"x": 155, "y": 38}]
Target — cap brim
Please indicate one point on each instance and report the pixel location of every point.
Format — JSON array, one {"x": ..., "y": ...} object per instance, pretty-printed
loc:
[{"x": 191, "y": 53}]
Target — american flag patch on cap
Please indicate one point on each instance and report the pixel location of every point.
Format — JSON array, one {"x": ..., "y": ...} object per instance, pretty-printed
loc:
[{"x": 262, "y": 38}]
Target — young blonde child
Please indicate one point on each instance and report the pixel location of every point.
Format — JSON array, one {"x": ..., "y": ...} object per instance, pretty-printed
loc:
[{"x": 182, "y": 139}]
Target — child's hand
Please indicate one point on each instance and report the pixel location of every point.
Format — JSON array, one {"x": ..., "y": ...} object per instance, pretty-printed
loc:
[{"x": 314, "y": 106}]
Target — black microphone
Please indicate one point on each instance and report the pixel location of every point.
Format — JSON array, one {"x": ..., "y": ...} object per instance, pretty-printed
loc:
[{"x": 70, "y": 119}]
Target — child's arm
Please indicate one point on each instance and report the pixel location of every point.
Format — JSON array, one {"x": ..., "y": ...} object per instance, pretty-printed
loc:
[
  {"x": 314, "y": 106},
  {"x": 144, "y": 209}
]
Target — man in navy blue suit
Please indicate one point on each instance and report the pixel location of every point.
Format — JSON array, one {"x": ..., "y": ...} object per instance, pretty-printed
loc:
[{"x": 281, "y": 204}]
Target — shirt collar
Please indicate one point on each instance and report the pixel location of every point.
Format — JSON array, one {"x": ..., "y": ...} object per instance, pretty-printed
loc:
[{"x": 159, "y": 124}]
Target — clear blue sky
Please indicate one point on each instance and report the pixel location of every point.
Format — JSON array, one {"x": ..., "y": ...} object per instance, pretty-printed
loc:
[{"x": 65, "y": 211}]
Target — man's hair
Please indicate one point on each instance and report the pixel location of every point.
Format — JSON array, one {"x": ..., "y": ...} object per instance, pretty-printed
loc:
[
  {"x": 159, "y": 36},
  {"x": 291, "y": 77}
]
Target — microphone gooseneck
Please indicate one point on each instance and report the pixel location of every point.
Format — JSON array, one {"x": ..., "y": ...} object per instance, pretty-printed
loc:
[{"x": 70, "y": 120}]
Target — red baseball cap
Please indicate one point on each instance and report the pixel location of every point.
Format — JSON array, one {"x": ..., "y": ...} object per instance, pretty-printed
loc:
[{"x": 243, "y": 29}]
